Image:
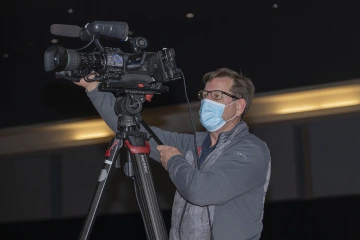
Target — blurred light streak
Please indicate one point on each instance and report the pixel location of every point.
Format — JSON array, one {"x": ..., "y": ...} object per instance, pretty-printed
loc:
[{"x": 290, "y": 104}]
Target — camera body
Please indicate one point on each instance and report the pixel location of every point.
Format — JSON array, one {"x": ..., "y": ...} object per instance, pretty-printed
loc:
[{"x": 136, "y": 72}]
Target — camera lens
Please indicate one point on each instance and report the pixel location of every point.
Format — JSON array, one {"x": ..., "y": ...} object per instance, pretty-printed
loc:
[
  {"x": 72, "y": 60},
  {"x": 56, "y": 59}
]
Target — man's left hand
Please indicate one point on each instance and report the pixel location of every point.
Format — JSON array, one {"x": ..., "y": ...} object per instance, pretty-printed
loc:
[{"x": 167, "y": 152}]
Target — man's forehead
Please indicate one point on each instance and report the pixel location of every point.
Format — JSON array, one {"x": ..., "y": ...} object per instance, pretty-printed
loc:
[{"x": 221, "y": 82}]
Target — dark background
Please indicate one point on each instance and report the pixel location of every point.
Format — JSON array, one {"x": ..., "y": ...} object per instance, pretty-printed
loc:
[
  {"x": 291, "y": 44},
  {"x": 288, "y": 45}
]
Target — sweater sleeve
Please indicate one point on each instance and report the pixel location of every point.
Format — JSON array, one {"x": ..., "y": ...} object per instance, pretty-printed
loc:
[{"x": 104, "y": 103}]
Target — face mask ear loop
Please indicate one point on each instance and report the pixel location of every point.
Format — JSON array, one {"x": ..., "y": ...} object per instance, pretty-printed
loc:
[
  {"x": 231, "y": 118},
  {"x": 232, "y": 103},
  {"x": 235, "y": 112}
]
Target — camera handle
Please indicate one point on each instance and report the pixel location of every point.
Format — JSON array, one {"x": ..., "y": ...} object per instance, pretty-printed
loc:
[{"x": 137, "y": 167}]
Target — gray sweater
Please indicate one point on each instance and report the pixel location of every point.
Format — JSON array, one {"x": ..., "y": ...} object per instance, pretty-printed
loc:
[{"x": 230, "y": 185}]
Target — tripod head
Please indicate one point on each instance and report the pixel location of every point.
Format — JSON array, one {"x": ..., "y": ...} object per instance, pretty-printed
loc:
[{"x": 128, "y": 106}]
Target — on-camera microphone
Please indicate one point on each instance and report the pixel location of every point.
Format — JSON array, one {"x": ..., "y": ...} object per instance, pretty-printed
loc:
[
  {"x": 111, "y": 29},
  {"x": 65, "y": 30}
]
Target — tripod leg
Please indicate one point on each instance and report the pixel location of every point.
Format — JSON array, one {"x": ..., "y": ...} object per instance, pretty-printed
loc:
[
  {"x": 110, "y": 159},
  {"x": 150, "y": 209}
]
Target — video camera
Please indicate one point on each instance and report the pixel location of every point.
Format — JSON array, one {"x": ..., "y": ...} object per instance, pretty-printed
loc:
[
  {"x": 132, "y": 77},
  {"x": 138, "y": 72}
]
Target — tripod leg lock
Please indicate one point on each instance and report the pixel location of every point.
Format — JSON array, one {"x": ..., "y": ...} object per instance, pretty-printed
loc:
[
  {"x": 103, "y": 175},
  {"x": 128, "y": 169}
]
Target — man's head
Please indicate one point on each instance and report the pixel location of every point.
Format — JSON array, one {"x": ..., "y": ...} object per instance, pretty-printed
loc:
[
  {"x": 238, "y": 86},
  {"x": 226, "y": 98}
]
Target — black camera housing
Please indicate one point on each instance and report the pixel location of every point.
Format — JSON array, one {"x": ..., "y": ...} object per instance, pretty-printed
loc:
[{"x": 137, "y": 72}]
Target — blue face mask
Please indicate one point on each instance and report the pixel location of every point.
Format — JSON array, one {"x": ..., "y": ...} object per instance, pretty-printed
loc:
[{"x": 211, "y": 114}]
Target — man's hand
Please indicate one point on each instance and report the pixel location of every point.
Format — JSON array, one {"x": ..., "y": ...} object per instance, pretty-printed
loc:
[
  {"x": 88, "y": 85},
  {"x": 166, "y": 152}
]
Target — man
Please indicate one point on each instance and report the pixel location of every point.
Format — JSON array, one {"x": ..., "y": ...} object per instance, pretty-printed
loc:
[{"x": 220, "y": 195}]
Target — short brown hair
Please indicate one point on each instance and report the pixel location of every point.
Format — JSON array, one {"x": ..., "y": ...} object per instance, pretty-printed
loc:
[{"x": 242, "y": 86}]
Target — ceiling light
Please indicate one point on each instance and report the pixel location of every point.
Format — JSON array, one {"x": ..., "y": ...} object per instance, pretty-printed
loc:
[
  {"x": 190, "y": 15},
  {"x": 54, "y": 40}
]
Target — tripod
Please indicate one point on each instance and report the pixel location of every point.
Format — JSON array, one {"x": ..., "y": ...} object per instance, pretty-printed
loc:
[{"x": 127, "y": 109}]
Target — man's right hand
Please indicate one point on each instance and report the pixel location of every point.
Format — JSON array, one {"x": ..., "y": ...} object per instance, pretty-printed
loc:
[{"x": 89, "y": 86}]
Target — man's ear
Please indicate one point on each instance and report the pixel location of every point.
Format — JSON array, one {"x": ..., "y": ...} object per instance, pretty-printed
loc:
[{"x": 240, "y": 106}]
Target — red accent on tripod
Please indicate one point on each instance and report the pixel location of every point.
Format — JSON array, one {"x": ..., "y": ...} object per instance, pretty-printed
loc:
[
  {"x": 108, "y": 151},
  {"x": 136, "y": 149},
  {"x": 148, "y": 97}
]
